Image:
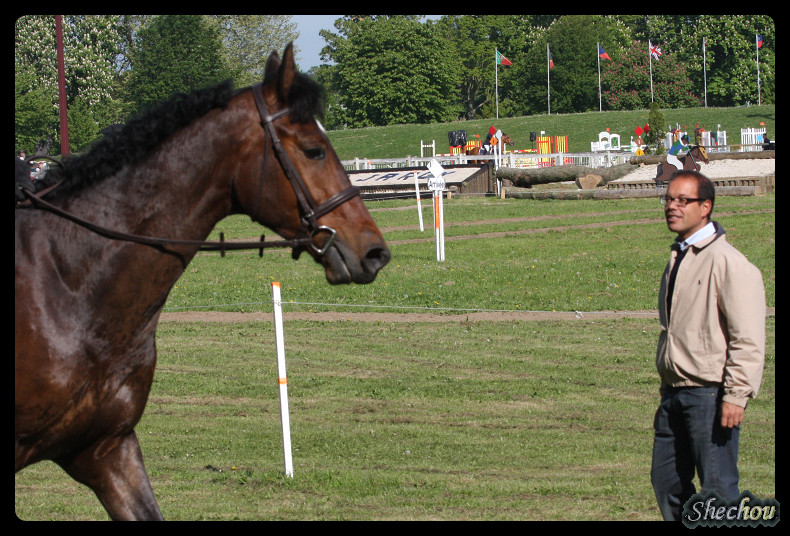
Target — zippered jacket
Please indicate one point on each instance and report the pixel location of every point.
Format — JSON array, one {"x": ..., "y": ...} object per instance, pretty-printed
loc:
[{"x": 716, "y": 331}]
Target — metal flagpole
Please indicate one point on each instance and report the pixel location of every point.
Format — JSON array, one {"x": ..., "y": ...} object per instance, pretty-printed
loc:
[
  {"x": 650, "y": 59},
  {"x": 705, "y": 71},
  {"x": 598, "y": 53},
  {"x": 496, "y": 79},
  {"x": 757, "y": 48},
  {"x": 548, "y": 76}
]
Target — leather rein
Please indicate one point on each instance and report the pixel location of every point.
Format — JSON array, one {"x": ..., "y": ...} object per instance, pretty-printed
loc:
[{"x": 311, "y": 210}]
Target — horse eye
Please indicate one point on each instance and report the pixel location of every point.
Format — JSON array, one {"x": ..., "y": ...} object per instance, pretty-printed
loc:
[{"x": 316, "y": 153}]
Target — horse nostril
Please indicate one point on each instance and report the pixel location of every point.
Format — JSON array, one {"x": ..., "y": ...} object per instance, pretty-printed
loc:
[{"x": 375, "y": 259}]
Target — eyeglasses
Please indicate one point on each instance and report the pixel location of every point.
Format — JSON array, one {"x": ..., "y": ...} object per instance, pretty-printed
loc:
[{"x": 680, "y": 202}]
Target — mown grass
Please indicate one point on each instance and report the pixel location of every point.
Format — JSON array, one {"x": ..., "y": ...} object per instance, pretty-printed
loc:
[
  {"x": 406, "y": 421},
  {"x": 455, "y": 420},
  {"x": 552, "y": 255}
]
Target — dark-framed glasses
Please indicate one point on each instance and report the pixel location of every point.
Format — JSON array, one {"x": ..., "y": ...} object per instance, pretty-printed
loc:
[{"x": 680, "y": 202}]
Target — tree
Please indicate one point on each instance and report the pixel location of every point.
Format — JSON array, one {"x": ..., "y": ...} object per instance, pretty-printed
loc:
[
  {"x": 391, "y": 69},
  {"x": 572, "y": 41},
  {"x": 730, "y": 52},
  {"x": 249, "y": 39},
  {"x": 175, "y": 54},
  {"x": 90, "y": 49},
  {"x": 626, "y": 80}
]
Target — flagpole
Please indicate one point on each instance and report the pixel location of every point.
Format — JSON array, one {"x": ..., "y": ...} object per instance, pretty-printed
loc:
[
  {"x": 496, "y": 80},
  {"x": 705, "y": 71},
  {"x": 650, "y": 59},
  {"x": 757, "y": 48},
  {"x": 548, "y": 76},
  {"x": 598, "y": 53}
]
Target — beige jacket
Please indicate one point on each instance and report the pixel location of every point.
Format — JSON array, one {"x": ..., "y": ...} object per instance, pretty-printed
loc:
[{"x": 716, "y": 333}]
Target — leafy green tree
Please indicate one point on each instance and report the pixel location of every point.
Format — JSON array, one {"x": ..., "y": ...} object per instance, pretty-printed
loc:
[
  {"x": 90, "y": 50},
  {"x": 656, "y": 122},
  {"x": 473, "y": 41},
  {"x": 572, "y": 41},
  {"x": 391, "y": 69},
  {"x": 626, "y": 81},
  {"x": 249, "y": 39},
  {"x": 34, "y": 114},
  {"x": 730, "y": 52},
  {"x": 175, "y": 54}
]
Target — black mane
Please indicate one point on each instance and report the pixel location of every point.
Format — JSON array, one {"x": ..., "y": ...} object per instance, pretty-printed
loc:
[{"x": 127, "y": 144}]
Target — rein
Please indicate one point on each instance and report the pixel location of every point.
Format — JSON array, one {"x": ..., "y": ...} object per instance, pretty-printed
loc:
[{"x": 312, "y": 210}]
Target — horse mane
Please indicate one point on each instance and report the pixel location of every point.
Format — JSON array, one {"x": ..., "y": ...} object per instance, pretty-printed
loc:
[{"x": 127, "y": 144}]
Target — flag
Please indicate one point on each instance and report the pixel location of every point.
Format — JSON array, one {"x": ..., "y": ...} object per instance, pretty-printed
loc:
[
  {"x": 502, "y": 60},
  {"x": 603, "y": 54},
  {"x": 655, "y": 51},
  {"x": 759, "y": 41},
  {"x": 551, "y": 61}
]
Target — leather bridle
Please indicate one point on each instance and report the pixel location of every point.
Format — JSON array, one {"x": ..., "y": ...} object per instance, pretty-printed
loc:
[{"x": 311, "y": 211}]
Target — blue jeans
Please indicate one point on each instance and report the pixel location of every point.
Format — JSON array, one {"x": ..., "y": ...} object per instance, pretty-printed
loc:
[{"x": 689, "y": 437}]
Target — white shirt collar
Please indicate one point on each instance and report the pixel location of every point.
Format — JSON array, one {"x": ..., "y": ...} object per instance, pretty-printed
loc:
[{"x": 707, "y": 231}]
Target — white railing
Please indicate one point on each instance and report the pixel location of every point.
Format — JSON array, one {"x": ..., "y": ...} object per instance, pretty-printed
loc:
[{"x": 515, "y": 160}]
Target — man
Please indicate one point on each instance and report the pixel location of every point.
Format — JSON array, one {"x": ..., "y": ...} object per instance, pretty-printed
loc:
[
  {"x": 711, "y": 350},
  {"x": 680, "y": 145}
]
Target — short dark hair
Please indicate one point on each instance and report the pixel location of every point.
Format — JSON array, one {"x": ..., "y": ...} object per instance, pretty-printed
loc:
[{"x": 705, "y": 188}]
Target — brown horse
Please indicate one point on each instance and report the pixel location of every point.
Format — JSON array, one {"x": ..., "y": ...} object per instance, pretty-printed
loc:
[
  {"x": 474, "y": 151},
  {"x": 690, "y": 163},
  {"x": 87, "y": 306}
]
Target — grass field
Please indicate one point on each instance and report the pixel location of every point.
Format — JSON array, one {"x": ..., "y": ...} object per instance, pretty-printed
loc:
[
  {"x": 398, "y": 141},
  {"x": 440, "y": 420}
]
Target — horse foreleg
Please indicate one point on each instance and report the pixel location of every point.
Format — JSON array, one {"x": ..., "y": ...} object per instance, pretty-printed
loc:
[{"x": 113, "y": 468}]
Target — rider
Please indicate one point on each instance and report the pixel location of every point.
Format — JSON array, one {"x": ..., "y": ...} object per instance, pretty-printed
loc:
[
  {"x": 488, "y": 147},
  {"x": 680, "y": 145}
]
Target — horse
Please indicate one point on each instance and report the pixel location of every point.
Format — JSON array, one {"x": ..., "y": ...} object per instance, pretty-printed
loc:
[
  {"x": 474, "y": 151},
  {"x": 96, "y": 257},
  {"x": 690, "y": 163}
]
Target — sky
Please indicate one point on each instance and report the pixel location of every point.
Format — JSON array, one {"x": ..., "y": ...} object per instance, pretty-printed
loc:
[{"x": 309, "y": 42}]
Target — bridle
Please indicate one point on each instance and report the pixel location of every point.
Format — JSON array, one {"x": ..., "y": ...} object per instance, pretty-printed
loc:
[{"x": 311, "y": 211}]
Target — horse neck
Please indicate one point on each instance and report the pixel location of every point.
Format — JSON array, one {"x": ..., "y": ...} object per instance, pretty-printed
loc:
[{"x": 177, "y": 191}]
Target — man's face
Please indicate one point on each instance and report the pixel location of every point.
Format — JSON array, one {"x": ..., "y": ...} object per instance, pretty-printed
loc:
[{"x": 685, "y": 221}]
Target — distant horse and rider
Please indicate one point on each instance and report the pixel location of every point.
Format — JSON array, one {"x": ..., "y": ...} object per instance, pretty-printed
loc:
[
  {"x": 690, "y": 162},
  {"x": 488, "y": 146}
]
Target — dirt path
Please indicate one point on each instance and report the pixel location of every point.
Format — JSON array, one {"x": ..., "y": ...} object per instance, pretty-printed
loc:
[{"x": 484, "y": 316}]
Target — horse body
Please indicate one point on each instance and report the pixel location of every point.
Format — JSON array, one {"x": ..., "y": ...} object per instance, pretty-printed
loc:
[
  {"x": 86, "y": 307},
  {"x": 690, "y": 163}
]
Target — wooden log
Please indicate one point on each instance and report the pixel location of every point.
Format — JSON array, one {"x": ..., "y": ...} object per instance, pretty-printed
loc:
[
  {"x": 661, "y": 158},
  {"x": 527, "y": 177}
]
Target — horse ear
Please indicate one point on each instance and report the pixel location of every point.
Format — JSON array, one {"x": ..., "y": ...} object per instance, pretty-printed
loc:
[
  {"x": 272, "y": 64},
  {"x": 287, "y": 72}
]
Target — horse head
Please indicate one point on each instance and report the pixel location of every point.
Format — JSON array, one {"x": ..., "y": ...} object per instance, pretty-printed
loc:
[
  {"x": 304, "y": 191},
  {"x": 506, "y": 140}
]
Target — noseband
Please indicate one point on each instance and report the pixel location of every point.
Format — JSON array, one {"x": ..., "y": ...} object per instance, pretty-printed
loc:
[{"x": 311, "y": 211}]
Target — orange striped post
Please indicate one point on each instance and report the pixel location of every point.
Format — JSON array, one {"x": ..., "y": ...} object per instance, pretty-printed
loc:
[{"x": 282, "y": 381}]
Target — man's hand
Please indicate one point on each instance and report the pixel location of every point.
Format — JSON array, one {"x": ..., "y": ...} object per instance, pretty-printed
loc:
[{"x": 731, "y": 415}]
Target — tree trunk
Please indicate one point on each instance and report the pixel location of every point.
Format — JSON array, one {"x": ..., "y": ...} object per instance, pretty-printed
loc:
[{"x": 527, "y": 177}]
